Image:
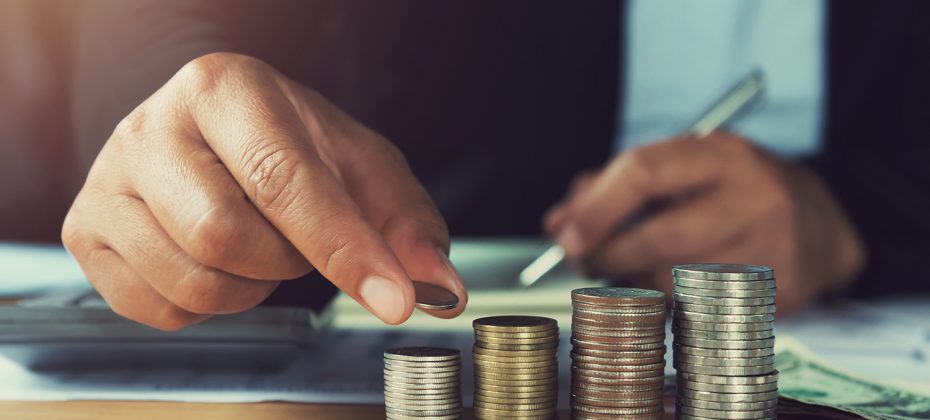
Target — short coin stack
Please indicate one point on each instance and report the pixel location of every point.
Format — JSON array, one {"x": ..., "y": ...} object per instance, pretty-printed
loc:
[
  {"x": 723, "y": 346},
  {"x": 618, "y": 353},
  {"x": 516, "y": 367},
  {"x": 422, "y": 382}
]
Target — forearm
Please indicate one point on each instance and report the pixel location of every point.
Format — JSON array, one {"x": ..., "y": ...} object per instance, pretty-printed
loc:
[{"x": 123, "y": 51}]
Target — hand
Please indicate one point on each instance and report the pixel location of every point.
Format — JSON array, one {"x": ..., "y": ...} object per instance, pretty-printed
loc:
[
  {"x": 728, "y": 201},
  {"x": 231, "y": 178}
]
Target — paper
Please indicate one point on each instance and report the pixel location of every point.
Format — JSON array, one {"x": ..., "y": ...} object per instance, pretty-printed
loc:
[
  {"x": 28, "y": 270},
  {"x": 807, "y": 378},
  {"x": 346, "y": 368}
]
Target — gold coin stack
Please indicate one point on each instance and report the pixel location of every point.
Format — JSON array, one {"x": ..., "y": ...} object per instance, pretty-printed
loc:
[
  {"x": 516, "y": 367},
  {"x": 422, "y": 382},
  {"x": 618, "y": 353}
]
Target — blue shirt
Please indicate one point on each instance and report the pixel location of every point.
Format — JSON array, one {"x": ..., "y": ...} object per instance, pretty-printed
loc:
[{"x": 682, "y": 55}]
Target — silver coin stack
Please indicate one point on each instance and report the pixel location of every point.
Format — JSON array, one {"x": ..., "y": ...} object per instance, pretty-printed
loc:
[
  {"x": 618, "y": 353},
  {"x": 422, "y": 382},
  {"x": 723, "y": 347}
]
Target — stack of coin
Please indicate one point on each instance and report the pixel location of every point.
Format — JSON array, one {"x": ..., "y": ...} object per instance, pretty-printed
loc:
[
  {"x": 723, "y": 346},
  {"x": 516, "y": 367},
  {"x": 422, "y": 382},
  {"x": 618, "y": 353}
]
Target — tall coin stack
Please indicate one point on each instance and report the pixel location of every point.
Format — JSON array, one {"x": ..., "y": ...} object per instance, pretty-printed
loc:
[
  {"x": 422, "y": 382},
  {"x": 723, "y": 341},
  {"x": 516, "y": 367},
  {"x": 618, "y": 353}
]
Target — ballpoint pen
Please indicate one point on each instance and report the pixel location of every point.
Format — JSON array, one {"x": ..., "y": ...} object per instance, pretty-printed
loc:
[{"x": 736, "y": 99}]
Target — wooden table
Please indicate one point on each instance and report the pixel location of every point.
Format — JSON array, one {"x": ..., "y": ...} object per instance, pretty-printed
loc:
[{"x": 151, "y": 410}]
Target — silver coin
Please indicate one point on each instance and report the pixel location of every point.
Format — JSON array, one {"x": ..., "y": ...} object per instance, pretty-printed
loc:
[
  {"x": 719, "y": 293},
  {"x": 769, "y": 378},
  {"x": 736, "y": 354},
  {"x": 407, "y": 369},
  {"x": 422, "y": 354},
  {"x": 728, "y": 406},
  {"x": 413, "y": 395},
  {"x": 727, "y": 398},
  {"x": 722, "y": 326},
  {"x": 725, "y": 285},
  {"x": 727, "y": 389},
  {"x": 723, "y": 414},
  {"x": 420, "y": 375},
  {"x": 432, "y": 297},
  {"x": 724, "y": 370},
  {"x": 581, "y": 351},
  {"x": 732, "y": 319},
  {"x": 719, "y": 301},
  {"x": 435, "y": 404},
  {"x": 613, "y": 332},
  {"x": 724, "y": 361},
  {"x": 716, "y": 271},
  {"x": 718, "y": 335},
  {"x": 725, "y": 344},
  {"x": 423, "y": 413},
  {"x": 616, "y": 360},
  {"x": 723, "y": 310}
]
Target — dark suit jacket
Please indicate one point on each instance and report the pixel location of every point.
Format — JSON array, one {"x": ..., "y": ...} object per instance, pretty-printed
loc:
[{"x": 498, "y": 104}]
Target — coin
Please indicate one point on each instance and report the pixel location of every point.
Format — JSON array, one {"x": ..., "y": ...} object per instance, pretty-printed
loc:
[
  {"x": 727, "y": 389},
  {"x": 725, "y": 344},
  {"x": 610, "y": 332},
  {"x": 722, "y": 326},
  {"x": 769, "y": 378},
  {"x": 522, "y": 335},
  {"x": 590, "y": 308},
  {"x": 724, "y": 414},
  {"x": 725, "y": 272},
  {"x": 602, "y": 340},
  {"x": 422, "y": 354},
  {"x": 723, "y": 309},
  {"x": 728, "y": 397},
  {"x": 615, "y": 360},
  {"x": 615, "y": 402},
  {"x": 725, "y": 285},
  {"x": 431, "y": 296},
  {"x": 729, "y": 406},
  {"x": 718, "y": 335},
  {"x": 594, "y": 345},
  {"x": 522, "y": 354},
  {"x": 618, "y": 296},
  {"x": 724, "y": 370},
  {"x": 653, "y": 353},
  {"x": 737, "y": 319},
  {"x": 724, "y": 361},
  {"x": 726, "y": 293},
  {"x": 514, "y": 323},
  {"x": 704, "y": 300},
  {"x": 422, "y": 382}
]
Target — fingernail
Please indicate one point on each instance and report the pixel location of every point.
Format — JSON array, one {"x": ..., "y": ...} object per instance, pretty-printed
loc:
[
  {"x": 384, "y": 297},
  {"x": 452, "y": 273},
  {"x": 570, "y": 239}
]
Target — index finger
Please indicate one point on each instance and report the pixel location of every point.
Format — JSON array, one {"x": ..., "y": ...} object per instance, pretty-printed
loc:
[
  {"x": 251, "y": 125},
  {"x": 632, "y": 181}
]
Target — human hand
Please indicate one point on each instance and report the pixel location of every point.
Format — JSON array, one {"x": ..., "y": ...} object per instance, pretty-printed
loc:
[
  {"x": 727, "y": 201},
  {"x": 231, "y": 178}
]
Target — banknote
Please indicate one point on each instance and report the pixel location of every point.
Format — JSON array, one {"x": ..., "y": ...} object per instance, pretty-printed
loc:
[{"x": 805, "y": 377}]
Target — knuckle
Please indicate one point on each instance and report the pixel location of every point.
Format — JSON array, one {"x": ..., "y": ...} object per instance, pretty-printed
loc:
[
  {"x": 209, "y": 72},
  {"x": 271, "y": 169},
  {"x": 215, "y": 238},
  {"x": 339, "y": 254},
  {"x": 640, "y": 169},
  {"x": 208, "y": 291},
  {"x": 201, "y": 291},
  {"x": 170, "y": 318}
]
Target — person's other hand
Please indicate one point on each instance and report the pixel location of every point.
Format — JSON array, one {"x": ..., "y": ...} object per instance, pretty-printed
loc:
[
  {"x": 727, "y": 201},
  {"x": 231, "y": 178}
]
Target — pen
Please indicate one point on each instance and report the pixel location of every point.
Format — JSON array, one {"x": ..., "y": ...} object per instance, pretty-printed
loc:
[{"x": 730, "y": 104}]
